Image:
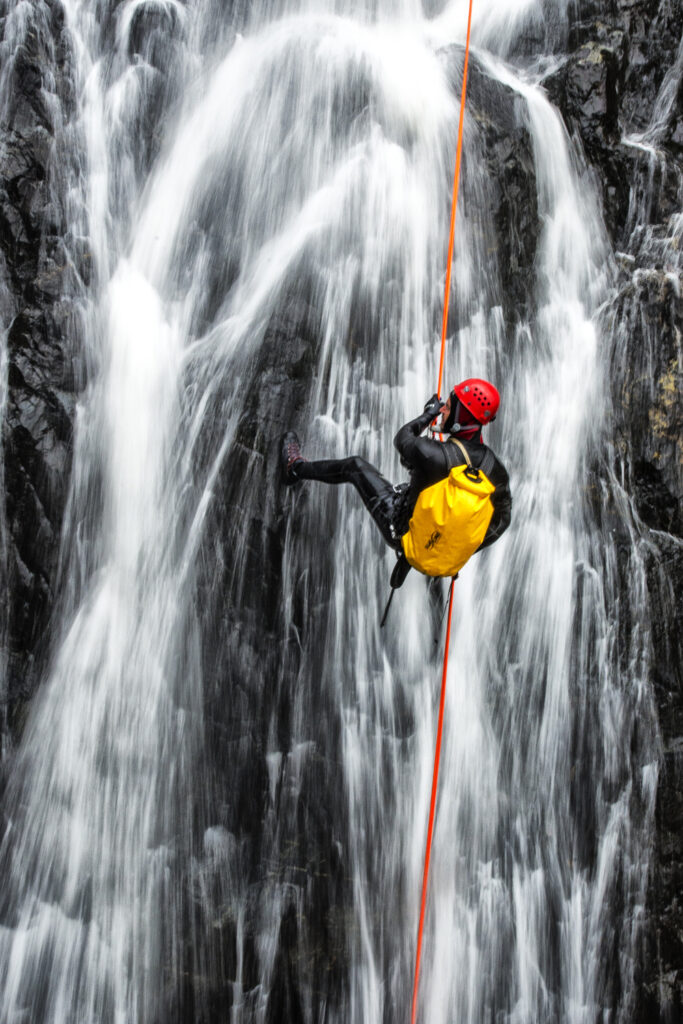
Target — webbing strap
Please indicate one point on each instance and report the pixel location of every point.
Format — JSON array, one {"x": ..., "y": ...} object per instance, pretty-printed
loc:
[
  {"x": 462, "y": 449},
  {"x": 486, "y": 465}
]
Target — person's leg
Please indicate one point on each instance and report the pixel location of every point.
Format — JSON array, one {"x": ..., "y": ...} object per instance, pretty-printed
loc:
[{"x": 377, "y": 494}]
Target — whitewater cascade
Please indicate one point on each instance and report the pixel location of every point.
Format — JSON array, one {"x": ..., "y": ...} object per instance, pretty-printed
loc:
[{"x": 292, "y": 164}]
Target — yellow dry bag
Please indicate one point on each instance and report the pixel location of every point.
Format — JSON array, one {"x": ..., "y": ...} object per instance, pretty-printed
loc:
[{"x": 450, "y": 518}]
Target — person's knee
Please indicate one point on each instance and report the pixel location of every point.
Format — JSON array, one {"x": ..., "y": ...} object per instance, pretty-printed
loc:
[{"x": 357, "y": 464}]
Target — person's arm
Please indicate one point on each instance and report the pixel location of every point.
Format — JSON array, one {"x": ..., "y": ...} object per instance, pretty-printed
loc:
[
  {"x": 408, "y": 443},
  {"x": 502, "y": 506}
]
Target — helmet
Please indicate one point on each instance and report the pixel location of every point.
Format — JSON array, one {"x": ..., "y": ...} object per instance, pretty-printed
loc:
[{"x": 480, "y": 397}]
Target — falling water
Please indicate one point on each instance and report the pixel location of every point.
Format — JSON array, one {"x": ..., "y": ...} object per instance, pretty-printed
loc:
[
  {"x": 5, "y": 307},
  {"x": 220, "y": 699},
  {"x": 5, "y": 318}
]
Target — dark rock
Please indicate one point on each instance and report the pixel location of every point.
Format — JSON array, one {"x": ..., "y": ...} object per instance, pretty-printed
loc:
[
  {"x": 606, "y": 90},
  {"x": 42, "y": 283},
  {"x": 646, "y": 382},
  {"x": 511, "y": 186},
  {"x": 648, "y": 34},
  {"x": 656, "y": 505},
  {"x": 249, "y": 637},
  {"x": 666, "y": 987},
  {"x": 586, "y": 90},
  {"x": 653, "y": 30}
]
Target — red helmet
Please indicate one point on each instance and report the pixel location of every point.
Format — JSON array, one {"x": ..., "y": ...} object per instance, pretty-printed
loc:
[{"x": 480, "y": 397}]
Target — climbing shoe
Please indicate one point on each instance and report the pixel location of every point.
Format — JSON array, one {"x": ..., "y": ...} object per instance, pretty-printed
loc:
[{"x": 290, "y": 455}]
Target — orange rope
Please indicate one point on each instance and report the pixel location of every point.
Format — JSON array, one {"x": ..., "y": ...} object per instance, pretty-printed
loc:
[
  {"x": 454, "y": 204},
  {"x": 432, "y": 807},
  {"x": 444, "y": 673}
]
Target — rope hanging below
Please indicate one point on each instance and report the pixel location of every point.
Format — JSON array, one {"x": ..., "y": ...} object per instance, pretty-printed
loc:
[
  {"x": 432, "y": 806},
  {"x": 444, "y": 673}
]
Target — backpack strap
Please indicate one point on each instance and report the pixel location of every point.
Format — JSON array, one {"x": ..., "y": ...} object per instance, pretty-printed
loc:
[
  {"x": 451, "y": 455},
  {"x": 487, "y": 463}
]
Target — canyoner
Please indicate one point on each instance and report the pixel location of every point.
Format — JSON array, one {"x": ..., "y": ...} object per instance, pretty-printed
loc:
[{"x": 458, "y": 498}]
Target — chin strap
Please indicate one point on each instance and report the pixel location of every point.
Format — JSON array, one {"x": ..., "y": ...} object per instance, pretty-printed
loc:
[
  {"x": 458, "y": 428},
  {"x": 461, "y": 428}
]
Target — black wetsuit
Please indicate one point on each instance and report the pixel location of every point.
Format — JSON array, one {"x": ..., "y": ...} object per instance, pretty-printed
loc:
[{"x": 392, "y": 506}]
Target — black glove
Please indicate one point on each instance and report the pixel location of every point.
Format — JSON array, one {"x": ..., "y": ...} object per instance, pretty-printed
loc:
[{"x": 433, "y": 407}]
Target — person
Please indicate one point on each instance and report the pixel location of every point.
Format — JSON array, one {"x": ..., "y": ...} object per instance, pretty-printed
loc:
[{"x": 471, "y": 405}]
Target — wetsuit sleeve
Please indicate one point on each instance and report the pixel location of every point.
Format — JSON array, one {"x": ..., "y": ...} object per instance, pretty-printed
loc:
[
  {"x": 419, "y": 452},
  {"x": 502, "y": 505}
]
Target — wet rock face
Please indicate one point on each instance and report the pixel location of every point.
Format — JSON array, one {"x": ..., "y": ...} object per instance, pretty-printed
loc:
[
  {"x": 648, "y": 31},
  {"x": 45, "y": 272},
  {"x": 606, "y": 88},
  {"x": 648, "y": 429},
  {"x": 647, "y": 392},
  {"x": 586, "y": 91},
  {"x": 41, "y": 277},
  {"x": 285, "y": 807},
  {"x": 512, "y": 187},
  {"x": 610, "y": 88}
]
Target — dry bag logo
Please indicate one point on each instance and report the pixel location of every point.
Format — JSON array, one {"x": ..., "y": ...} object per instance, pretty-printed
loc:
[{"x": 432, "y": 540}]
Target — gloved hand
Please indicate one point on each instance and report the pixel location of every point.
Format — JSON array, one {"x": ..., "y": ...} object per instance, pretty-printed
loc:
[{"x": 433, "y": 407}]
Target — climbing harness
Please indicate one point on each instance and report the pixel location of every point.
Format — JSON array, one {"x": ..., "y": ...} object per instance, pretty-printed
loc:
[{"x": 444, "y": 673}]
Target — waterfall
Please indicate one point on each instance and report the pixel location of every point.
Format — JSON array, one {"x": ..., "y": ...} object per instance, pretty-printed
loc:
[
  {"x": 218, "y": 807},
  {"x": 5, "y": 306}
]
